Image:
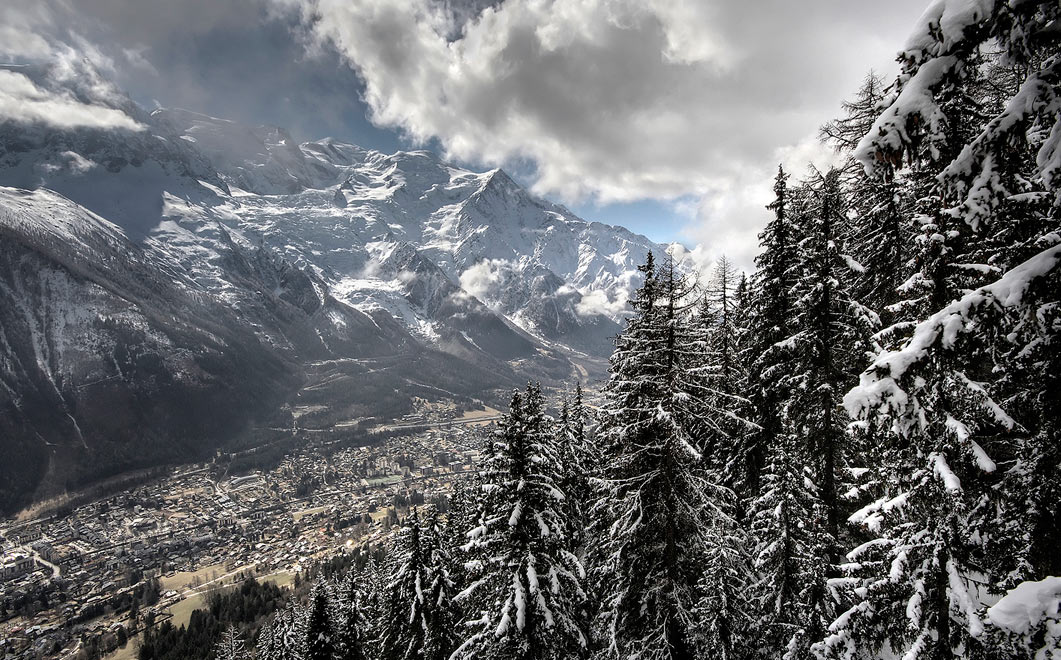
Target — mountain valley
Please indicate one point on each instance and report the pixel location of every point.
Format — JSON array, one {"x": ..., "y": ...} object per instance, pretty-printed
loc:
[{"x": 230, "y": 278}]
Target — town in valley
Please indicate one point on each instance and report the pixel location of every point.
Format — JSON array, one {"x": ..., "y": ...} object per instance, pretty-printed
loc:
[{"x": 99, "y": 569}]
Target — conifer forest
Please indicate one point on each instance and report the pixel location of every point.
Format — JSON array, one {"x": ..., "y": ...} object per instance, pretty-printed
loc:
[{"x": 852, "y": 452}]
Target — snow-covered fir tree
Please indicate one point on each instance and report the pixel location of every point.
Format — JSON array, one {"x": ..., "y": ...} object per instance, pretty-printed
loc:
[
  {"x": 405, "y": 624},
  {"x": 655, "y": 503},
  {"x": 319, "y": 627},
  {"x": 720, "y": 316},
  {"x": 373, "y": 602},
  {"x": 231, "y": 646},
  {"x": 463, "y": 514},
  {"x": 443, "y": 616},
  {"x": 349, "y": 618},
  {"x": 462, "y": 511},
  {"x": 880, "y": 231},
  {"x": 829, "y": 345},
  {"x": 578, "y": 464},
  {"x": 769, "y": 320},
  {"x": 716, "y": 380},
  {"x": 265, "y": 643},
  {"x": 963, "y": 424},
  {"x": 724, "y": 613},
  {"x": 790, "y": 601},
  {"x": 285, "y": 637},
  {"x": 809, "y": 337},
  {"x": 719, "y": 375},
  {"x": 525, "y": 592}
]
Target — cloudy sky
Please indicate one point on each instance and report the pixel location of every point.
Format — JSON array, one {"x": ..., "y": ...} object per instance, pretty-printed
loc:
[{"x": 667, "y": 116}]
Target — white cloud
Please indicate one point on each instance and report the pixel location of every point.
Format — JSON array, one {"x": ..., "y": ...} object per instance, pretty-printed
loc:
[
  {"x": 485, "y": 280},
  {"x": 481, "y": 278},
  {"x": 16, "y": 41},
  {"x": 620, "y": 100},
  {"x": 21, "y": 100},
  {"x": 71, "y": 84},
  {"x": 604, "y": 100},
  {"x": 728, "y": 221},
  {"x": 371, "y": 270},
  {"x": 78, "y": 163},
  {"x": 20, "y": 30},
  {"x": 596, "y": 301},
  {"x": 697, "y": 260},
  {"x": 72, "y": 162}
]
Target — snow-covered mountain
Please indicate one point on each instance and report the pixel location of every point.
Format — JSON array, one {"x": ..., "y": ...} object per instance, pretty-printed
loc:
[
  {"x": 211, "y": 273},
  {"x": 345, "y": 212}
]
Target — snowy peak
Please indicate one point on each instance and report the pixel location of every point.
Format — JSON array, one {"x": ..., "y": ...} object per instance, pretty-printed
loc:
[
  {"x": 334, "y": 152},
  {"x": 497, "y": 183},
  {"x": 320, "y": 204},
  {"x": 259, "y": 159},
  {"x": 190, "y": 183},
  {"x": 52, "y": 217}
]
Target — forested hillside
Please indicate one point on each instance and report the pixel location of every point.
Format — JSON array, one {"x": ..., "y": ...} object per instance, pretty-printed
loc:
[{"x": 853, "y": 452}]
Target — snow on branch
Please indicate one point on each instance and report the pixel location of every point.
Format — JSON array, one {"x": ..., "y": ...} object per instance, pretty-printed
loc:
[
  {"x": 935, "y": 50},
  {"x": 879, "y": 385},
  {"x": 945, "y": 25},
  {"x": 972, "y": 174},
  {"x": 914, "y": 110},
  {"x": 1027, "y": 605}
]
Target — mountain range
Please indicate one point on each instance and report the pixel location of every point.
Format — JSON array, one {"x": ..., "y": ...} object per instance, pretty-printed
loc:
[{"x": 168, "y": 288}]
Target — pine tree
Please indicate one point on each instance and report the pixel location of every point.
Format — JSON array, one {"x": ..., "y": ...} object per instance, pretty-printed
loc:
[
  {"x": 844, "y": 133},
  {"x": 265, "y": 646},
  {"x": 1030, "y": 494},
  {"x": 230, "y": 646},
  {"x": 461, "y": 510},
  {"x": 577, "y": 464},
  {"x": 830, "y": 344},
  {"x": 947, "y": 396},
  {"x": 724, "y": 617},
  {"x": 655, "y": 502},
  {"x": 463, "y": 515},
  {"x": 526, "y": 583},
  {"x": 808, "y": 339},
  {"x": 769, "y": 318},
  {"x": 374, "y": 606},
  {"x": 791, "y": 556},
  {"x": 736, "y": 476},
  {"x": 406, "y": 622},
  {"x": 580, "y": 467},
  {"x": 880, "y": 231},
  {"x": 715, "y": 379},
  {"x": 319, "y": 629},
  {"x": 350, "y": 642},
  {"x": 725, "y": 620},
  {"x": 719, "y": 377},
  {"x": 440, "y": 637},
  {"x": 286, "y": 638},
  {"x": 721, "y": 308},
  {"x": 916, "y": 585}
]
